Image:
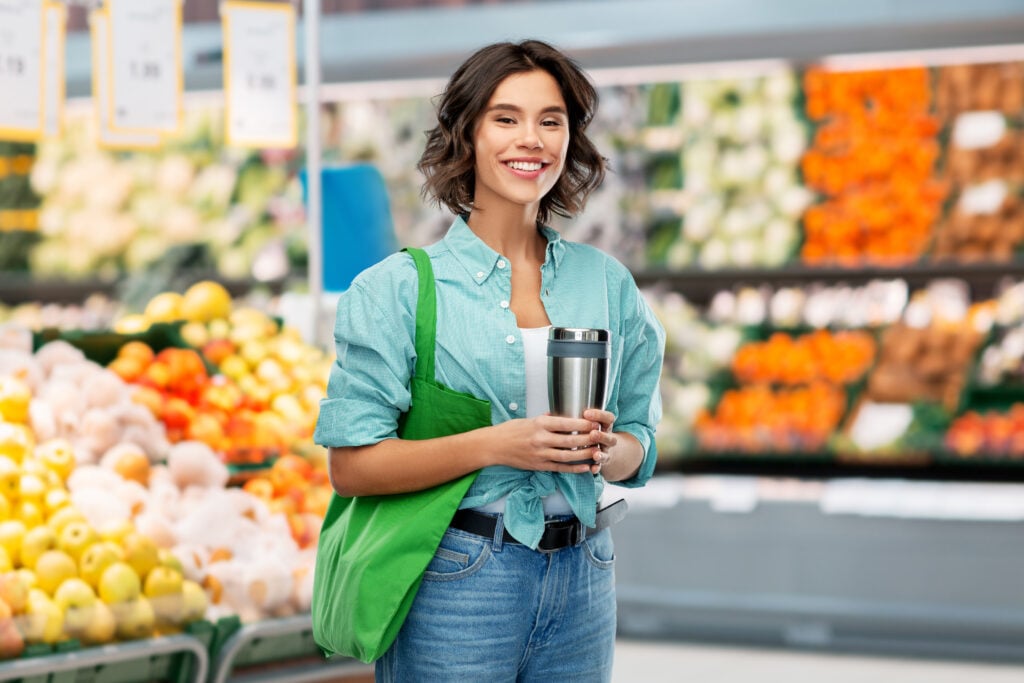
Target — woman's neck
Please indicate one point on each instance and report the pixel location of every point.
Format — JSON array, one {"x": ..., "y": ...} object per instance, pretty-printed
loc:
[{"x": 512, "y": 234}]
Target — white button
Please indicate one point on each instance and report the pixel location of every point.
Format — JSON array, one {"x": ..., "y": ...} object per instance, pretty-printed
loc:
[
  {"x": 504, "y": 304},
  {"x": 501, "y": 264},
  {"x": 510, "y": 339},
  {"x": 513, "y": 406},
  {"x": 480, "y": 274}
]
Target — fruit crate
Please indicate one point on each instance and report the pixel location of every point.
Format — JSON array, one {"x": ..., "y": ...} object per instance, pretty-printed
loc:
[
  {"x": 180, "y": 658},
  {"x": 102, "y": 346},
  {"x": 276, "y": 650}
]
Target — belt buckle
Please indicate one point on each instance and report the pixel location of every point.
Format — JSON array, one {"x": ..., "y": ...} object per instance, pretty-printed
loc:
[{"x": 576, "y": 534}]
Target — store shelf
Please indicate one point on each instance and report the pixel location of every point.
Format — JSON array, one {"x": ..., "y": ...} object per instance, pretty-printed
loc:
[
  {"x": 277, "y": 650},
  {"x": 18, "y": 289},
  {"x": 698, "y": 286},
  {"x": 175, "y": 659},
  {"x": 737, "y": 567}
]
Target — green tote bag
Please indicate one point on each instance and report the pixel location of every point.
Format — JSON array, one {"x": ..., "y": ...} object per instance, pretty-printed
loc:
[{"x": 373, "y": 550}]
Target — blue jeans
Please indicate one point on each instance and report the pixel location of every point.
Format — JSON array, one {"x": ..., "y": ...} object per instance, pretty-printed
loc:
[{"x": 493, "y": 612}]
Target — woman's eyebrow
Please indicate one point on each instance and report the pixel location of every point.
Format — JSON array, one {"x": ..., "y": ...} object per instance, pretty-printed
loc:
[{"x": 519, "y": 110}]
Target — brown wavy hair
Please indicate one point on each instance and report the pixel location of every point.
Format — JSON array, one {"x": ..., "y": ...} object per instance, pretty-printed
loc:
[{"x": 448, "y": 162}]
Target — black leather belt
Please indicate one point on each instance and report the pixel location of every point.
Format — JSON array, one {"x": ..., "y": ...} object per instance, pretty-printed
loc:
[{"x": 558, "y": 534}]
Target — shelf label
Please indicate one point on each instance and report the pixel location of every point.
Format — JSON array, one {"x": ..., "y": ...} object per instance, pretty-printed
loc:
[
  {"x": 145, "y": 71},
  {"x": 259, "y": 75},
  {"x": 22, "y": 44},
  {"x": 53, "y": 107},
  {"x": 984, "y": 198},
  {"x": 99, "y": 26}
]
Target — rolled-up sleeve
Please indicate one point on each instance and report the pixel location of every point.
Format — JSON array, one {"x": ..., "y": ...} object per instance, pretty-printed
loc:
[
  {"x": 368, "y": 388},
  {"x": 638, "y": 397}
]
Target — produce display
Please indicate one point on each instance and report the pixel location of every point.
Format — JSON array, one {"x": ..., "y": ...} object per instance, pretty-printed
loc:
[
  {"x": 120, "y": 514},
  {"x": 873, "y": 161},
  {"x": 723, "y": 172},
  {"x": 838, "y": 374}
]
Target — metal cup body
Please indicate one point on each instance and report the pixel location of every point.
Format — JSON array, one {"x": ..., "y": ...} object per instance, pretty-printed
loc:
[{"x": 577, "y": 370}]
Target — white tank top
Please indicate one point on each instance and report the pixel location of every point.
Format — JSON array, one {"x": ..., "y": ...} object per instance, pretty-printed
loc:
[{"x": 535, "y": 349}]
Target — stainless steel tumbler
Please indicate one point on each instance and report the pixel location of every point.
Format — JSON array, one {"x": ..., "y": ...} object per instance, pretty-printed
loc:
[{"x": 577, "y": 370}]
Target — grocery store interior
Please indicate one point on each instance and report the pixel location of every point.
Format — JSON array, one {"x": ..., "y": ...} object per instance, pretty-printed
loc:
[{"x": 823, "y": 203}]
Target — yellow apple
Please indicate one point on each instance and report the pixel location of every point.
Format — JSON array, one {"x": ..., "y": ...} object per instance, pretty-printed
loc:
[
  {"x": 75, "y": 537},
  {"x": 5, "y": 508},
  {"x": 76, "y": 600},
  {"x": 44, "y": 620},
  {"x": 195, "y": 334},
  {"x": 12, "y": 531},
  {"x": 32, "y": 487},
  {"x": 64, "y": 516},
  {"x": 15, "y": 396},
  {"x": 36, "y": 541},
  {"x": 52, "y": 568},
  {"x": 219, "y": 328},
  {"x": 135, "y": 618},
  {"x": 58, "y": 455},
  {"x": 96, "y": 558},
  {"x": 163, "y": 587},
  {"x": 54, "y": 500},
  {"x": 6, "y": 564},
  {"x": 16, "y": 441},
  {"x": 119, "y": 583},
  {"x": 10, "y": 477},
  {"x": 141, "y": 552},
  {"x": 164, "y": 307},
  {"x": 116, "y": 530},
  {"x": 195, "y": 602},
  {"x": 30, "y": 512},
  {"x": 102, "y": 627},
  {"x": 28, "y": 577},
  {"x": 169, "y": 559}
]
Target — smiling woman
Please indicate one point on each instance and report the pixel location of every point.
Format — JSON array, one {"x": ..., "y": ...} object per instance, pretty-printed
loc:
[{"x": 529, "y": 544}]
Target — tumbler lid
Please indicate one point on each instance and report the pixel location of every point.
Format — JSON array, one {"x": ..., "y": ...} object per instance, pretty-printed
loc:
[{"x": 576, "y": 342}]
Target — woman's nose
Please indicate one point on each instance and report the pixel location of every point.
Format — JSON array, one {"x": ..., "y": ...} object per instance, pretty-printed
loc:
[{"x": 529, "y": 139}]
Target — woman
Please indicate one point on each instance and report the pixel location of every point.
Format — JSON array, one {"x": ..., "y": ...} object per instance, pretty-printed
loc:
[{"x": 508, "y": 596}]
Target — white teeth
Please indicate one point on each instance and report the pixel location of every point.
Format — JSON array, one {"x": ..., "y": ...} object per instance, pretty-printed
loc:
[{"x": 525, "y": 165}]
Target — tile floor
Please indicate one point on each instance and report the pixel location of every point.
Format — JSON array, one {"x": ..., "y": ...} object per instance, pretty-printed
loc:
[{"x": 638, "y": 661}]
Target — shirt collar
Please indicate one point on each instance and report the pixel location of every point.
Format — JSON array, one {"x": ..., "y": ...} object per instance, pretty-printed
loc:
[{"x": 480, "y": 260}]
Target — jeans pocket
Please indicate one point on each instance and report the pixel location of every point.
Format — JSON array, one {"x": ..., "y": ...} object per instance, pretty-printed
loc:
[
  {"x": 600, "y": 549},
  {"x": 459, "y": 555}
]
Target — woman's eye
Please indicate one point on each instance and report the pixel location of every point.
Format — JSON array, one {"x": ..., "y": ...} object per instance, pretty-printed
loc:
[
  {"x": 551, "y": 122},
  {"x": 505, "y": 119}
]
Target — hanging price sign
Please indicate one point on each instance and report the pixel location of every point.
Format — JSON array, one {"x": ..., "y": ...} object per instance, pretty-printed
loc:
[
  {"x": 22, "y": 39},
  {"x": 146, "y": 78},
  {"x": 99, "y": 25},
  {"x": 53, "y": 98},
  {"x": 259, "y": 74}
]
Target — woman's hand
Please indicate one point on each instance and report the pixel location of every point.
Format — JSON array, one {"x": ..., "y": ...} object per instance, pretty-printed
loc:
[
  {"x": 545, "y": 443},
  {"x": 602, "y": 437}
]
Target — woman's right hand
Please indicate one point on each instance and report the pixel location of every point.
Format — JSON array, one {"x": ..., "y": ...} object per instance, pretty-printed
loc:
[{"x": 544, "y": 442}]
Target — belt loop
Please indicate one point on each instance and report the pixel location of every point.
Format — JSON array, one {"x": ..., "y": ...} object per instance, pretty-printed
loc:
[{"x": 499, "y": 533}]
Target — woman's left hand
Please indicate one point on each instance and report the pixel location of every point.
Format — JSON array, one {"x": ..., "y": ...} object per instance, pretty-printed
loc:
[{"x": 603, "y": 438}]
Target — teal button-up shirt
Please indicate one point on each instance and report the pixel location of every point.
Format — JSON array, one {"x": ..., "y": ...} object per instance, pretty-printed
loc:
[{"x": 480, "y": 352}]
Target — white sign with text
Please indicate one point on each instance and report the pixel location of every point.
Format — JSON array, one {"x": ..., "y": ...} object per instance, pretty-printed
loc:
[
  {"x": 146, "y": 78},
  {"x": 259, "y": 74},
  {"x": 56, "y": 23},
  {"x": 22, "y": 38}
]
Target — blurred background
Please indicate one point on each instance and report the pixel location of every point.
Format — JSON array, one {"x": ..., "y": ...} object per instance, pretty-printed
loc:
[{"x": 822, "y": 202}]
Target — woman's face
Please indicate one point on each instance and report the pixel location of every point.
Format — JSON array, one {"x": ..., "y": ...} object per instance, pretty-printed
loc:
[{"x": 521, "y": 141}]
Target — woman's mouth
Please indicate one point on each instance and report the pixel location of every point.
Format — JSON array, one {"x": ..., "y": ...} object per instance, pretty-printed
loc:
[{"x": 526, "y": 169}]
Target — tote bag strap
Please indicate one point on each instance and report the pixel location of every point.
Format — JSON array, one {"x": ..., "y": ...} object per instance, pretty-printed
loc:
[{"x": 426, "y": 315}]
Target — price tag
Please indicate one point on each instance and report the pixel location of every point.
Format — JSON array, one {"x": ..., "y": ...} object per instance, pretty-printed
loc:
[
  {"x": 22, "y": 42},
  {"x": 53, "y": 100},
  {"x": 99, "y": 26},
  {"x": 146, "y": 78},
  {"x": 259, "y": 74}
]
